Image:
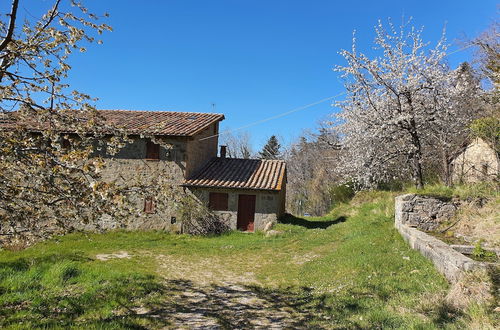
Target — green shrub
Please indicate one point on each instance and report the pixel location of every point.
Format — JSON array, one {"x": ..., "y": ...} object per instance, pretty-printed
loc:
[
  {"x": 342, "y": 193},
  {"x": 393, "y": 185}
]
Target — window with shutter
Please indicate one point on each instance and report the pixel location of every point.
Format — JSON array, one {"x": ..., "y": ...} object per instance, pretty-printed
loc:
[
  {"x": 152, "y": 150},
  {"x": 218, "y": 202},
  {"x": 66, "y": 144},
  {"x": 149, "y": 206}
]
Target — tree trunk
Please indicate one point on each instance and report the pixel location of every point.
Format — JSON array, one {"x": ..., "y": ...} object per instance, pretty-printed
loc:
[
  {"x": 416, "y": 157},
  {"x": 418, "y": 176},
  {"x": 446, "y": 168}
]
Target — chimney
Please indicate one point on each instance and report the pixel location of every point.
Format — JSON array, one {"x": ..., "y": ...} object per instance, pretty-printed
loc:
[{"x": 223, "y": 151}]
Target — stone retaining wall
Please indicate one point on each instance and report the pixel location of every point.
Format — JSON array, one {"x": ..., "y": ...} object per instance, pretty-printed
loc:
[
  {"x": 424, "y": 212},
  {"x": 448, "y": 261}
]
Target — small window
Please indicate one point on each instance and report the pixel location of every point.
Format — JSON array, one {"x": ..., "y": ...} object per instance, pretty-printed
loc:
[
  {"x": 152, "y": 150},
  {"x": 149, "y": 205},
  {"x": 218, "y": 202},
  {"x": 65, "y": 143},
  {"x": 484, "y": 169}
]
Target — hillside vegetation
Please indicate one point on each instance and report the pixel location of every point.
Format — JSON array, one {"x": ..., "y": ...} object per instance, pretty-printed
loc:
[{"x": 350, "y": 269}]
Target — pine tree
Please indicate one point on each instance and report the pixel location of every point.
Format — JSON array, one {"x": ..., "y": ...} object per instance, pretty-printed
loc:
[{"x": 271, "y": 149}]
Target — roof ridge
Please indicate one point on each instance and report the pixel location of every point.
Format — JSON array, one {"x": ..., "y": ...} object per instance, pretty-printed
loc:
[
  {"x": 163, "y": 111},
  {"x": 259, "y": 159},
  {"x": 173, "y": 123}
]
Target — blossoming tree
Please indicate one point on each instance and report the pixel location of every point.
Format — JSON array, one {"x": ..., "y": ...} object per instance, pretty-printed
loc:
[{"x": 395, "y": 104}]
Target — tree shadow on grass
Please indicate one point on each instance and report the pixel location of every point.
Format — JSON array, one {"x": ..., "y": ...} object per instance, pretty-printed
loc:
[
  {"x": 230, "y": 306},
  {"x": 293, "y": 220},
  {"x": 185, "y": 304},
  {"x": 140, "y": 301},
  {"x": 145, "y": 302}
]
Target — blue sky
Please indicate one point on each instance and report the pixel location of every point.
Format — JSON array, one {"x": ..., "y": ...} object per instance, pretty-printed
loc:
[{"x": 252, "y": 58}]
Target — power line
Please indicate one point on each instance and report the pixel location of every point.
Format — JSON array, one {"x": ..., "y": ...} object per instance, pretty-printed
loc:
[
  {"x": 459, "y": 50},
  {"x": 301, "y": 107},
  {"x": 276, "y": 116}
]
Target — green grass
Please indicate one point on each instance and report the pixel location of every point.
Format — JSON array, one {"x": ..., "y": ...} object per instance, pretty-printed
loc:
[
  {"x": 464, "y": 192},
  {"x": 350, "y": 269}
]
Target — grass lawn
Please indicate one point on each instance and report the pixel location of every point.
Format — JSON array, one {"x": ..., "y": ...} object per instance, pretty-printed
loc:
[{"x": 350, "y": 269}]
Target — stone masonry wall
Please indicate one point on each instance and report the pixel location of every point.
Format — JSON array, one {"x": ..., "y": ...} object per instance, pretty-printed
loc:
[
  {"x": 267, "y": 205},
  {"x": 478, "y": 162},
  {"x": 425, "y": 213},
  {"x": 201, "y": 148},
  {"x": 128, "y": 167}
]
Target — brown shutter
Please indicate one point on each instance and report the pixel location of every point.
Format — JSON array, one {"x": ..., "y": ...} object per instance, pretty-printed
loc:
[
  {"x": 152, "y": 150},
  {"x": 66, "y": 144},
  {"x": 149, "y": 206},
  {"x": 218, "y": 201}
]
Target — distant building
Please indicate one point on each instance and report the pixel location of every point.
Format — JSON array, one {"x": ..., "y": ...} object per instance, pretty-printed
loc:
[{"x": 477, "y": 162}]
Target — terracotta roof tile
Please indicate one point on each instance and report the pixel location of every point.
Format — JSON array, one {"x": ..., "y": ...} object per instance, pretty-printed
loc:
[
  {"x": 153, "y": 122},
  {"x": 161, "y": 122},
  {"x": 240, "y": 173}
]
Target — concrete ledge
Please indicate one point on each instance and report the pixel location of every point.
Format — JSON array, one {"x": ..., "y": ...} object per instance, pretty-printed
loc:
[
  {"x": 448, "y": 261},
  {"x": 469, "y": 249}
]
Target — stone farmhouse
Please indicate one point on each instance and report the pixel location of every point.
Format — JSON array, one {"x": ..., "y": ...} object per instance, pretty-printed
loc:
[
  {"x": 246, "y": 193},
  {"x": 477, "y": 162}
]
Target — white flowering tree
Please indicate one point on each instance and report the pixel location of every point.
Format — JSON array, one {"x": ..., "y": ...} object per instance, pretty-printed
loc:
[
  {"x": 50, "y": 135},
  {"x": 53, "y": 143},
  {"x": 395, "y": 103},
  {"x": 40, "y": 178}
]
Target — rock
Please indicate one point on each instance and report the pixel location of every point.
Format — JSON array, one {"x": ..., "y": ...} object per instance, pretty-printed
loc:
[
  {"x": 118, "y": 255},
  {"x": 140, "y": 310},
  {"x": 268, "y": 226},
  {"x": 273, "y": 232},
  {"x": 446, "y": 211}
]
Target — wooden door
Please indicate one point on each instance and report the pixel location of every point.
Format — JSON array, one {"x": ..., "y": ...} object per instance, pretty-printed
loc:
[{"x": 246, "y": 212}]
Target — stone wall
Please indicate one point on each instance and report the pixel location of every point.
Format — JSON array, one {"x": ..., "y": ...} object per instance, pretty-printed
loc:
[
  {"x": 130, "y": 163},
  {"x": 178, "y": 156},
  {"x": 267, "y": 205},
  {"x": 449, "y": 262},
  {"x": 424, "y": 212},
  {"x": 201, "y": 148}
]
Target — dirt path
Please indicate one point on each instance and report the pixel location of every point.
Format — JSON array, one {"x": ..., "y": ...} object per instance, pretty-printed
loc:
[
  {"x": 211, "y": 298},
  {"x": 226, "y": 306}
]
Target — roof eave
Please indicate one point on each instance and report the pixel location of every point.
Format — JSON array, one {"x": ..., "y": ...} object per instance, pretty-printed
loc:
[
  {"x": 187, "y": 185},
  {"x": 221, "y": 118}
]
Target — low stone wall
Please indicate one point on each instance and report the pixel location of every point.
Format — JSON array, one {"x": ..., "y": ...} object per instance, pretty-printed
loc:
[
  {"x": 448, "y": 261},
  {"x": 424, "y": 212}
]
